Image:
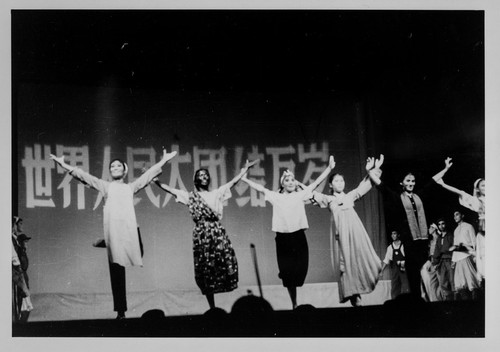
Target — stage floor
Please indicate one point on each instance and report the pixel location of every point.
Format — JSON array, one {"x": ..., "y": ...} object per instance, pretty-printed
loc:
[
  {"x": 58, "y": 306},
  {"x": 406, "y": 317}
]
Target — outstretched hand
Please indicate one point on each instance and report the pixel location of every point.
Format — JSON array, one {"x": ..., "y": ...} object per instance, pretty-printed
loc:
[
  {"x": 59, "y": 160},
  {"x": 249, "y": 164},
  {"x": 331, "y": 162},
  {"x": 448, "y": 163},
  {"x": 370, "y": 162},
  {"x": 167, "y": 156},
  {"x": 379, "y": 161}
]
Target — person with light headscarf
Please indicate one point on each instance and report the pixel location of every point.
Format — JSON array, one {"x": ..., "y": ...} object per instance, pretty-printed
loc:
[
  {"x": 290, "y": 222},
  {"x": 121, "y": 235},
  {"x": 474, "y": 202}
]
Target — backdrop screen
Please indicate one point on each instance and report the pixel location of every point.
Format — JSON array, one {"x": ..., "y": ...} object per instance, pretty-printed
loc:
[{"x": 93, "y": 125}]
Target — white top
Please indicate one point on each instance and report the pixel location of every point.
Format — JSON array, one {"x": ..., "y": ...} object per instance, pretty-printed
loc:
[
  {"x": 464, "y": 233},
  {"x": 215, "y": 199},
  {"x": 389, "y": 253},
  {"x": 289, "y": 213}
]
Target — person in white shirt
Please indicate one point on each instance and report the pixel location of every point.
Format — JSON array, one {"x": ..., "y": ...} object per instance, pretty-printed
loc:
[
  {"x": 476, "y": 202},
  {"x": 289, "y": 221},
  {"x": 464, "y": 252}
]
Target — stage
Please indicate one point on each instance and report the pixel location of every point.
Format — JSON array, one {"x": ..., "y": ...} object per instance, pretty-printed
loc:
[{"x": 403, "y": 318}]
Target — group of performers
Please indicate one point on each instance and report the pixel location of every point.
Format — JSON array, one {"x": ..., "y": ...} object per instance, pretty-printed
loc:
[{"x": 215, "y": 264}]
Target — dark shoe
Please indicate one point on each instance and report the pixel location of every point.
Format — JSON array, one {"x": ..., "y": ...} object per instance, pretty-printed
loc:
[
  {"x": 120, "y": 316},
  {"x": 99, "y": 243},
  {"x": 356, "y": 301}
]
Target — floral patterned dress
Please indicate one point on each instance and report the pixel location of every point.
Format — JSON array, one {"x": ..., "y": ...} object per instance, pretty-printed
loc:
[{"x": 215, "y": 264}]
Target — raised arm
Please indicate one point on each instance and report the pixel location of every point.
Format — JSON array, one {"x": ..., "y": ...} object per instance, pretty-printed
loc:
[
  {"x": 81, "y": 175},
  {"x": 253, "y": 184},
  {"x": 324, "y": 174},
  {"x": 61, "y": 162},
  {"x": 438, "y": 178},
  {"x": 149, "y": 175},
  {"x": 373, "y": 169},
  {"x": 243, "y": 171},
  {"x": 164, "y": 187}
]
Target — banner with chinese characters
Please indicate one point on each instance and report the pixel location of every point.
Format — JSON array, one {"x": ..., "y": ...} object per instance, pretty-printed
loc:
[{"x": 93, "y": 125}]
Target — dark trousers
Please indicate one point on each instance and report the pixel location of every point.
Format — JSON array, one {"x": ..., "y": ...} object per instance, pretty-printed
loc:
[
  {"x": 118, "y": 283},
  {"x": 445, "y": 278},
  {"x": 293, "y": 257},
  {"x": 416, "y": 255},
  {"x": 399, "y": 281},
  {"x": 118, "y": 287}
]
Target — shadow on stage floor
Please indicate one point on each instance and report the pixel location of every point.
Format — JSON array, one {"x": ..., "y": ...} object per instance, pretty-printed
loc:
[{"x": 254, "y": 317}]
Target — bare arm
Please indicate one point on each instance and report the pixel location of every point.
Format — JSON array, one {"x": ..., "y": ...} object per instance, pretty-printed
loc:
[
  {"x": 440, "y": 174},
  {"x": 438, "y": 178},
  {"x": 243, "y": 171},
  {"x": 61, "y": 162},
  {"x": 165, "y": 187},
  {"x": 253, "y": 184},
  {"x": 324, "y": 174},
  {"x": 374, "y": 171}
]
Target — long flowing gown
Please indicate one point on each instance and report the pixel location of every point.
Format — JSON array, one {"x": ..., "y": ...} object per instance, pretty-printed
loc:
[{"x": 353, "y": 255}]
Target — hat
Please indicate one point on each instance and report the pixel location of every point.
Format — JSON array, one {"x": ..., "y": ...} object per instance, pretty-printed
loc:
[{"x": 22, "y": 237}]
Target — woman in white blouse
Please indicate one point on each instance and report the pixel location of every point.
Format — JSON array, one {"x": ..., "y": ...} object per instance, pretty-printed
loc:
[{"x": 289, "y": 222}]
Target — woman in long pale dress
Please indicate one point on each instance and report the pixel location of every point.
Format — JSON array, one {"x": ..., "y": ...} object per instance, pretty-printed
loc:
[
  {"x": 354, "y": 257},
  {"x": 474, "y": 202},
  {"x": 121, "y": 236},
  {"x": 215, "y": 264}
]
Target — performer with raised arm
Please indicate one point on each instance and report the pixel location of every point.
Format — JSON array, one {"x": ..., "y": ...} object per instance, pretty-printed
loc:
[
  {"x": 120, "y": 224},
  {"x": 353, "y": 256},
  {"x": 215, "y": 264},
  {"x": 290, "y": 222},
  {"x": 474, "y": 202}
]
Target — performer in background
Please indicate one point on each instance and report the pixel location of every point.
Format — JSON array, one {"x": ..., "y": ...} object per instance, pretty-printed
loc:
[
  {"x": 475, "y": 202},
  {"x": 215, "y": 264},
  {"x": 21, "y": 297},
  {"x": 353, "y": 256},
  {"x": 464, "y": 251},
  {"x": 290, "y": 222},
  {"x": 431, "y": 292},
  {"x": 395, "y": 259},
  {"x": 441, "y": 260},
  {"x": 120, "y": 224}
]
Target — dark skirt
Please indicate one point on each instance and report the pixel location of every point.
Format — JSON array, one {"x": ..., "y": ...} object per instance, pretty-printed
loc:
[{"x": 293, "y": 257}]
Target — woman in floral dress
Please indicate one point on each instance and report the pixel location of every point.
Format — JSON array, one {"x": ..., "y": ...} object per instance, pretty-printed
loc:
[{"x": 215, "y": 264}]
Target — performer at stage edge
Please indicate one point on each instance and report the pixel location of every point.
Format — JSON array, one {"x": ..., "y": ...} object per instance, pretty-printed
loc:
[
  {"x": 474, "y": 202},
  {"x": 395, "y": 259},
  {"x": 215, "y": 264},
  {"x": 289, "y": 222},
  {"x": 353, "y": 256},
  {"x": 120, "y": 224}
]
